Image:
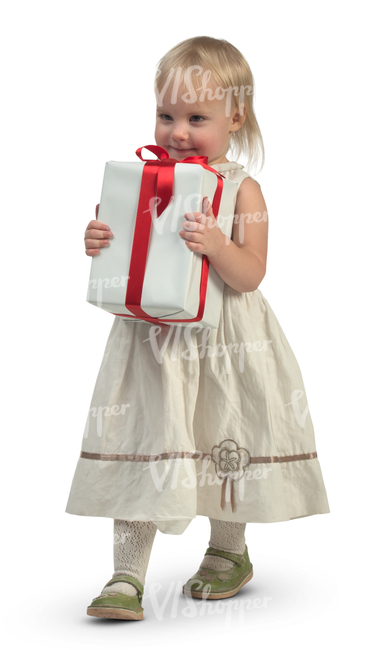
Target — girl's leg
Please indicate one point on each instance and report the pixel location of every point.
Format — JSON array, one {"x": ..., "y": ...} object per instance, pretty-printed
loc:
[
  {"x": 132, "y": 547},
  {"x": 225, "y": 536}
]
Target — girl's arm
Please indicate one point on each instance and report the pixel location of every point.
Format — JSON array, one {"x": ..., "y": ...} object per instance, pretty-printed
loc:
[{"x": 241, "y": 261}]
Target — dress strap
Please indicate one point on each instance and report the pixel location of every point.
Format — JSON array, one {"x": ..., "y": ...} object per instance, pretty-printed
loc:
[
  {"x": 227, "y": 167},
  {"x": 236, "y": 169}
]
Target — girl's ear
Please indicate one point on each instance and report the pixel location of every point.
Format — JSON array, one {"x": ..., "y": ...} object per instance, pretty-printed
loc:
[{"x": 238, "y": 119}]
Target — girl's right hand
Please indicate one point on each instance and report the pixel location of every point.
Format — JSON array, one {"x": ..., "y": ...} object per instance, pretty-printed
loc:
[{"x": 96, "y": 237}]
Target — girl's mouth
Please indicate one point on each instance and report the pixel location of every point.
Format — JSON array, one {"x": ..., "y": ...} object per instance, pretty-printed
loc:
[{"x": 182, "y": 150}]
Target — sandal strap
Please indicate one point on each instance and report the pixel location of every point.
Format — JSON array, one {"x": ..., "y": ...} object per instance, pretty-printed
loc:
[
  {"x": 125, "y": 578},
  {"x": 238, "y": 559}
]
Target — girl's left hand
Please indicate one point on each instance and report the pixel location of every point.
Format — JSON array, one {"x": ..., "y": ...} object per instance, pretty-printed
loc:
[{"x": 201, "y": 232}]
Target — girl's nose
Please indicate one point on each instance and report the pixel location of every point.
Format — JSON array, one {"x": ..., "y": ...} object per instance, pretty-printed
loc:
[{"x": 179, "y": 132}]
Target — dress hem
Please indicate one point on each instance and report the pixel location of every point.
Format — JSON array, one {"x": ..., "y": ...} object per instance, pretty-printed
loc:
[{"x": 173, "y": 529}]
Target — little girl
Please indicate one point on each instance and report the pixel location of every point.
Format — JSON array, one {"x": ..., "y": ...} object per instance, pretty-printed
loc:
[{"x": 225, "y": 433}]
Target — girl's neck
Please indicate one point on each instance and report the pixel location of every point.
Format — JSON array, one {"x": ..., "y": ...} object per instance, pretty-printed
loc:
[{"x": 219, "y": 161}]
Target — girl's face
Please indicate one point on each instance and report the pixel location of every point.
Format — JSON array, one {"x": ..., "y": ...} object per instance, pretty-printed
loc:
[{"x": 195, "y": 129}]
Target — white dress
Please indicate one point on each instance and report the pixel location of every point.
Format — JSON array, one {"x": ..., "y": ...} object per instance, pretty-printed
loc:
[{"x": 216, "y": 424}]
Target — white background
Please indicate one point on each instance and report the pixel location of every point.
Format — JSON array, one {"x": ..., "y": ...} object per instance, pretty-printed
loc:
[{"x": 77, "y": 82}]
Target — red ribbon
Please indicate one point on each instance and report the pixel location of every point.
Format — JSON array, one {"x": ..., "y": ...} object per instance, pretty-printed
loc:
[{"x": 157, "y": 181}]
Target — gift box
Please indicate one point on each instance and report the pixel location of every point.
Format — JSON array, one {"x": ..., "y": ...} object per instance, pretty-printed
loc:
[{"x": 147, "y": 273}]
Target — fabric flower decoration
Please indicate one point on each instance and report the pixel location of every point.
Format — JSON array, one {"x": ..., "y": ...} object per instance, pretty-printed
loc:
[{"x": 231, "y": 461}]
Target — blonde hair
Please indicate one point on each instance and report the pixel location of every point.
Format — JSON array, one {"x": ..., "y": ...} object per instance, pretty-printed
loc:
[{"x": 229, "y": 70}]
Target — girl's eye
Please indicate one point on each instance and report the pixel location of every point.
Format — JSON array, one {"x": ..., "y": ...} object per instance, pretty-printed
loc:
[{"x": 164, "y": 115}]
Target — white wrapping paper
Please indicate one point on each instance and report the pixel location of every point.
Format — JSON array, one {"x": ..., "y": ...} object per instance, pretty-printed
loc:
[{"x": 171, "y": 287}]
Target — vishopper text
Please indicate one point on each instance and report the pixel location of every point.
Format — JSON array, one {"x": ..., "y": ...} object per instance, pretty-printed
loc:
[
  {"x": 192, "y": 352},
  {"x": 99, "y": 412},
  {"x": 175, "y": 204},
  {"x": 225, "y": 607},
  {"x": 105, "y": 283},
  {"x": 175, "y": 463},
  {"x": 191, "y": 96}
]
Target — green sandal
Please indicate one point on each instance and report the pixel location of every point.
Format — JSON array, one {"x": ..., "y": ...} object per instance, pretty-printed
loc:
[
  {"x": 116, "y": 605},
  {"x": 208, "y": 583}
]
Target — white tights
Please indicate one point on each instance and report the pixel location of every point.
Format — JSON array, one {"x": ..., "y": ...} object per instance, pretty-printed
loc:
[
  {"x": 133, "y": 541},
  {"x": 225, "y": 536},
  {"x": 132, "y": 545}
]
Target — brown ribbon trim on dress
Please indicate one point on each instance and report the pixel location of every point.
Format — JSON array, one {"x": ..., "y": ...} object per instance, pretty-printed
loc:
[
  {"x": 196, "y": 456},
  {"x": 222, "y": 498}
]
